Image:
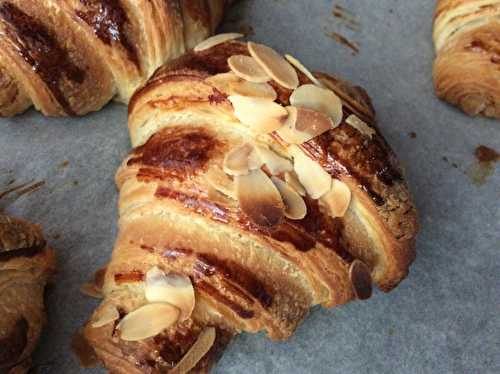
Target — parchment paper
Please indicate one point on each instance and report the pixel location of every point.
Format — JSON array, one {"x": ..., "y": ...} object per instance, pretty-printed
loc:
[{"x": 444, "y": 318}]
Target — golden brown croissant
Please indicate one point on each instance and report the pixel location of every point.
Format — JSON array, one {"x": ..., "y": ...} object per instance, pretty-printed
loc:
[
  {"x": 26, "y": 263},
  {"x": 70, "y": 57},
  {"x": 467, "y": 41},
  {"x": 256, "y": 190}
]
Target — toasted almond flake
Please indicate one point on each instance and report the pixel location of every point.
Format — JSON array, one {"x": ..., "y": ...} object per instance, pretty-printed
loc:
[
  {"x": 217, "y": 39},
  {"x": 174, "y": 289},
  {"x": 312, "y": 176},
  {"x": 319, "y": 99},
  {"x": 295, "y": 207},
  {"x": 247, "y": 68},
  {"x": 361, "y": 279},
  {"x": 259, "y": 199},
  {"x": 299, "y": 66},
  {"x": 293, "y": 181},
  {"x": 275, "y": 65},
  {"x": 274, "y": 162},
  {"x": 218, "y": 197},
  {"x": 90, "y": 289},
  {"x": 360, "y": 125},
  {"x": 107, "y": 313},
  {"x": 303, "y": 125},
  {"x": 220, "y": 181},
  {"x": 230, "y": 84},
  {"x": 236, "y": 161},
  {"x": 198, "y": 350},
  {"x": 261, "y": 115},
  {"x": 337, "y": 200},
  {"x": 147, "y": 321}
]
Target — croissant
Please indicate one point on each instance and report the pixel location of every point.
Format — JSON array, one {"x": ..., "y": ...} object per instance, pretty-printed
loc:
[
  {"x": 70, "y": 57},
  {"x": 26, "y": 264},
  {"x": 255, "y": 190},
  {"x": 467, "y": 42}
]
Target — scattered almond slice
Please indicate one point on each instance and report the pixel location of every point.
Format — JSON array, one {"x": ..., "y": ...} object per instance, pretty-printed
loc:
[
  {"x": 293, "y": 181},
  {"x": 361, "y": 279},
  {"x": 147, "y": 321},
  {"x": 220, "y": 181},
  {"x": 274, "y": 162},
  {"x": 262, "y": 115},
  {"x": 198, "y": 350},
  {"x": 231, "y": 84},
  {"x": 259, "y": 198},
  {"x": 172, "y": 288},
  {"x": 274, "y": 65},
  {"x": 299, "y": 66},
  {"x": 360, "y": 125},
  {"x": 104, "y": 315},
  {"x": 303, "y": 125},
  {"x": 236, "y": 161},
  {"x": 90, "y": 289},
  {"x": 217, "y": 39},
  {"x": 247, "y": 68},
  {"x": 218, "y": 197},
  {"x": 295, "y": 207},
  {"x": 312, "y": 176},
  {"x": 337, "y": 200},
  {"x": 318, "y": 99}
]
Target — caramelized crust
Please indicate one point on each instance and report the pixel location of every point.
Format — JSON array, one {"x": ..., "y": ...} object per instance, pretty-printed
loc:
[
  {"x": 26, "y": 263},
  {"x": 70, "y": 57},
  {"x": 246, "y": 277},
  {"x": 467, "y": 41}
]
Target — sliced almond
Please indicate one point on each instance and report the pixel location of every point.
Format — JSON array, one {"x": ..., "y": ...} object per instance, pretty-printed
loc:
[
  {"x": 247, "y": 68},
  {"x": 220, "y": 181},
  {"x": 107, "y": 313},
  {"x": 303, "y": 125},
  {"x": 361, "y": 279},
  {"x": 319, "y": 99},
  {"x": 293, "y": 181},
  {"x": 261, "y": 115},
  {"x": 274, "y": 65},
  {"x": 231, "y": 84},
  {"x": 312, "y": 176},
  {"x": 236, "y": 160},
  {"x": 198, "y": 350},
  {"x": 274, "y": 162},
  {"x": 337, "y": 200},
  {"x": 295, "y": 207},
  {"x": 259, "y": 198},
  {"x": 172, "y": 288},
  {"x": 360, "y": 125},
  {"x": 299, "y": 66},
  {"x": 147, "y": 321},
  {"x": 217, "y": 39},
  {"x": 90, "y": 289}
]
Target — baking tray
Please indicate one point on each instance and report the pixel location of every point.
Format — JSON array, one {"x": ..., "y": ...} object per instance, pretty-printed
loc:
[{"x": 444, "y": 318}]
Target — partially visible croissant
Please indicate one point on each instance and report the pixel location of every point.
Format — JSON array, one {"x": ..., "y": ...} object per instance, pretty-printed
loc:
[
  {"x": 467, "y": 66},
  {"x": 26, "y": 263},
  {"x": 216, "y": 199},
  {"x": 70, "y": 57}
]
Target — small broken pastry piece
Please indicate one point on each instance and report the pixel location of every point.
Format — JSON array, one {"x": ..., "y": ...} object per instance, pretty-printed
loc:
[{"x": 26, "y": 265}]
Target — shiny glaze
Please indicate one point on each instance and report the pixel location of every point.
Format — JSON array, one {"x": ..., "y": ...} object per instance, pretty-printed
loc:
[
  {"x": 216, "y": 295},
  {"x": 109, "y": 20},
  {"x": 31, "y": 251},
  {"x": 12, "y": 346},
  {"x": 174, "y": 152},
  {"x": 39, "y": 47}
]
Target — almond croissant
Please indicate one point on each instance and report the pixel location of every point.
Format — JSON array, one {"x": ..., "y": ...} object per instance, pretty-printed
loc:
[
  {"x": 26, "y": 263},
  {"x": 256, "y": 190},
  {"x": 467, "y": 42},
  {"x": 70, "y": 57}
]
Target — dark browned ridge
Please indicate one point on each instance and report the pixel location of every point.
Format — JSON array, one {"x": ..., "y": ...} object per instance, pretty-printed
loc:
[
  {"x": 109, "y": 21},
  {"x": 31, "y": 251},
  {"x": 12, "y": 346},
  {"x": 213, "y": 292},
  {"x": 40, "y": 49},
  {"x": 131, "y": 276}
]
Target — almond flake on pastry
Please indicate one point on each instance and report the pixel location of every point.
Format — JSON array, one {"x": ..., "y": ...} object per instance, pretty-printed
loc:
[
  {"x": 261, "y": 115},
  {"x": 247, "y": 68},
  {"x": 217, "y": 39},
  {"x": 319, "y": 99}
]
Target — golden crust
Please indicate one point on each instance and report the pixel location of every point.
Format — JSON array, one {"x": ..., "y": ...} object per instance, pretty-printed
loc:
[
  {"x": 466, "y": 34},
  {"x": 70, "y": 57},
  {"x": 26, "y": 264}
]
